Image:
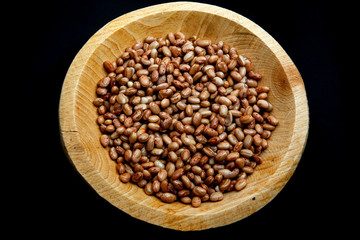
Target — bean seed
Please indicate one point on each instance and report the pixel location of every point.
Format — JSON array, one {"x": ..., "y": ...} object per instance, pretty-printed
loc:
[
  {"x": 148, "y": 189},
  {"x": 216, "y": 196},
  {"x": 225, "y": 101},
  {"x": 196, "y": 202},
  {"x": 232, "y": 156},
  {"x": 168, "y": 197},
  {"x": 209, "y": 152},
  {"x": 105, "y": 140},
  {"x": 125, "y": 177},
  {"x": 136, "y": 156},
  {"x": 272, "y": 120},
  {"x": 199, "y": 191},
  {"x": 178, "y": 173},
  {"x": 248, "y": 141},
  {"x": 240, "y": 184},
  {"x": 246, "y": 119},
  {"x": 246, "y": 153},
  {"x": 221, "y": 155},
  {"x": 154, "y": 126},
  {"x": 188, "y": 56},
  {"x": 137, "y": 177},
  {"x": 248, "y": 170},
  {"x": 224, "y": 184},
  {"x": 223, "y": 111}
]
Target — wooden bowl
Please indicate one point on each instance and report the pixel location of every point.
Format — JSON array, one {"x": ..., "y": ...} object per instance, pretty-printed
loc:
[{"x": 80, "y": 132}]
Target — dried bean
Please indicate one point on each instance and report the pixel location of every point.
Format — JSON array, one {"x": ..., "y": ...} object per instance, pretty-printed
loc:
[
  {"x": 216, "y": 196},
  {"x": 168, "y": 197}
]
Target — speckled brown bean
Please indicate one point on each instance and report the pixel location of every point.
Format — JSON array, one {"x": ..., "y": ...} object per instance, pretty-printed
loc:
[
  {"x": 248, "y": 169},
  {"x": 125, "y": 177},
  {"x": 186, "y": 181},
  {"x": 168, "y": 197},
  {"x": 246, "y": 153},
  {"x": 240, "y": 162},
  {"x": 273, "y": 120},
  {"x": 104, "y": 140},
  {"x": 196, "y": 202},
  {"x": 136, "y": 156},
  {"x": 162, "y": 175},
  {"x": 197, "y": 118},
  {"x": 223, "y": 111},
  {"x": 246, "y": 119},
  {"x": 154, "y": 126},
  {"x": 113, "y": 154},
  {"x": 240, "y": 184},
  {"x": 232, "y": 156},
  {"x": 144, "y": 137},
  {"x": 156, "y": 186},
  {"x": 216, "y": 196},
  {"x": 137, "y": 177},
  {"x": 199, "y": 191},
  {"x": 209, "y": 152},
  {"x": 148, "y": 189},
  {"x": 178, "y": 173},
  {"x": 225, "y": 183},
  {"x": 155, "y": 109}
]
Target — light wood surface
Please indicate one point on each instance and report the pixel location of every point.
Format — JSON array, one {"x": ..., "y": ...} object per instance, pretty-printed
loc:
[{"x": 80, "y": 133}]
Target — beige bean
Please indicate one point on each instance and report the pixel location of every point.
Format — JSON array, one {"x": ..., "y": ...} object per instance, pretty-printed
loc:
[
  {"x": 154, "y": 119},
  {"x": 136, "y": 156},
  {"x": 157, "y": 151},
  {"x": 189, "y": 56},
  {"x": 125, "y": 177},
  {"x": 248, "y": 141},
  {"x": 232, "y": 156},
  {"x": 168, "y": 197},
  {"x": 248, "y": 169},
  {"x": 203, "y": 42},
  {"x": 189, "y": 110},
  {"x": 273, "y": 120},
  {"x": 178, "y": 173},
  {"x": 246, "y": 119},
  {"x": 240, "y": 184},
  {"x": 155, "y": 109},
  {"x": 162, "y": 175},
  {"x": 154, "y": 126},
  {"x": 104, "y": 140},
  {"x": 199, "y": 191},
  {"x": 216, "y": 196},
  {"x": 209, "y": 152},
  {"x": 196, "y": 202},
  {"x": 225, "y": 101},
  {"x": 197, "y": 118},
  {"x": 246, "y": 153},
  {"x": 263, "y": 103},
  {"x": 223, "y": 111},
  {"x": 221, "y": 155},
  {"x": 170, "y": 168}
]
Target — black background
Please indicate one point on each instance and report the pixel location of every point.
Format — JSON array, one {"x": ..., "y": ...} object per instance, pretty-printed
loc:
[{"x": 54, "y": 200}]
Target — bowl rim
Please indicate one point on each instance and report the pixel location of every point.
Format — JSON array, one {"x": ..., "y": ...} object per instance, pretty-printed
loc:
[{"x": 73, "y": 147}]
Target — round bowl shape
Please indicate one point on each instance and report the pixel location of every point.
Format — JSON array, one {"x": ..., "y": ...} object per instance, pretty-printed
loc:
[{"x": 80, "y": 132}]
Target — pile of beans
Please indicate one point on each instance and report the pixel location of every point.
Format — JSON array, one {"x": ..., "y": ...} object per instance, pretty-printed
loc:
[{"x": 183, "y": 118}]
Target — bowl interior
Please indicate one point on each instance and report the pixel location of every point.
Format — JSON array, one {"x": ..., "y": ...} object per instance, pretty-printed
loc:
[{"x": 205, "y": 25}]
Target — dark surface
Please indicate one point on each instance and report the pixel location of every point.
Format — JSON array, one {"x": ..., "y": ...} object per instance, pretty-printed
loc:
[{"x": 54, "y": 200}]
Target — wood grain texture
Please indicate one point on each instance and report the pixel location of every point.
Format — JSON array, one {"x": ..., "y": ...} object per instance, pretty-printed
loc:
[{"x": 80, "y": 133}]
